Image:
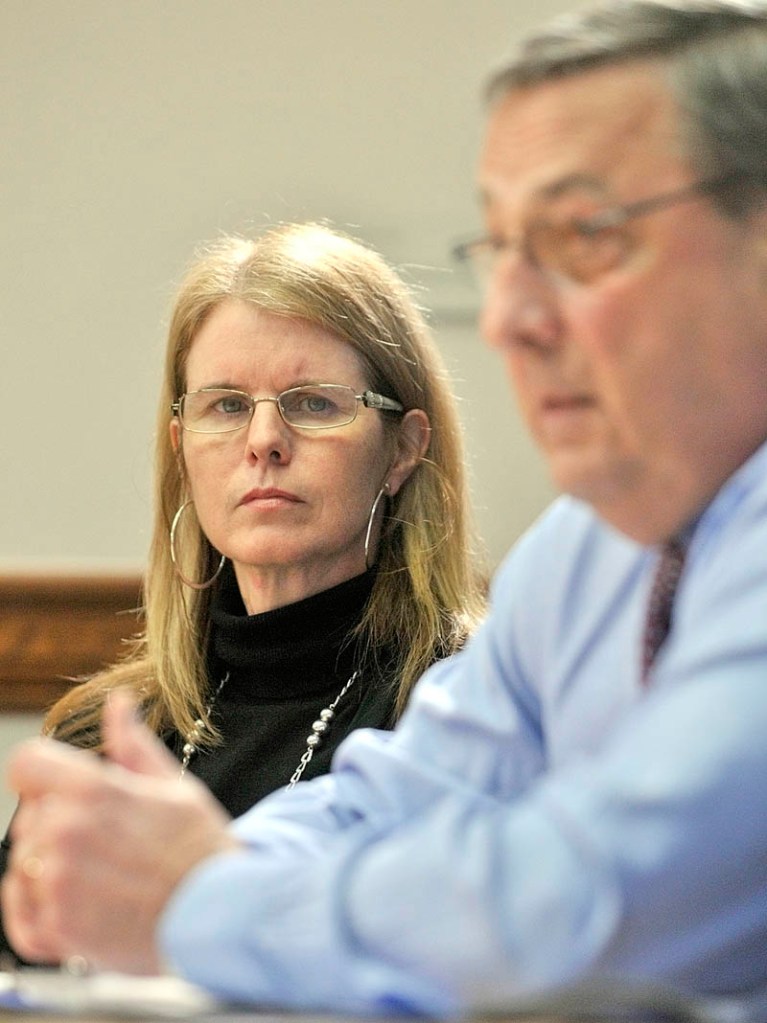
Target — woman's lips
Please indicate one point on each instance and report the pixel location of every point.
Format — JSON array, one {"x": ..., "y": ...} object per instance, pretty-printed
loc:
[{"x": 270, "y": 495}]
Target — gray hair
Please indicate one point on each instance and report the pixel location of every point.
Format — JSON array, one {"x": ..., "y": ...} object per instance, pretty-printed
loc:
[{"x": 716, "y": 56}]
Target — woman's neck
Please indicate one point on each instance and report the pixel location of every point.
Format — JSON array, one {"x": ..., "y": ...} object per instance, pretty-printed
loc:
[
  {"x": 287, "y": 650},
  {"x": 267, "y": 589}
]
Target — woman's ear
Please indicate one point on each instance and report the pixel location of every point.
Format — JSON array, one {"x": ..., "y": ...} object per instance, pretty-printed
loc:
[
  {"x": 174, "y": 427},
  {"x": 412, "y": 444}
]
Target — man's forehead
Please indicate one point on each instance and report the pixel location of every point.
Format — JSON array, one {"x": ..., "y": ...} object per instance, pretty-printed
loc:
[{"x": 597, "y": 126}]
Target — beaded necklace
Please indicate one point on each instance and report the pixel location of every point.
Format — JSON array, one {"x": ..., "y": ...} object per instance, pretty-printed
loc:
[{"x": 320, "y": 728}]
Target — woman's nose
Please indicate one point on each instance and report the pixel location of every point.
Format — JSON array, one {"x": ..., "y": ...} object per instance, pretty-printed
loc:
[
  {"x": 520, "y": 306},
  {"x": 268, "y": 435}
]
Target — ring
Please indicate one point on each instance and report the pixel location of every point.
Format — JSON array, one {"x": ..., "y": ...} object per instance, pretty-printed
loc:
[
  {"x": 32, "y": 867},
  {"x": 77, "y": 966}
]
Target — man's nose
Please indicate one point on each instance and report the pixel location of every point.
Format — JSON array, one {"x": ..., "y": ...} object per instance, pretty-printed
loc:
[{"x": 520, "y": 306}]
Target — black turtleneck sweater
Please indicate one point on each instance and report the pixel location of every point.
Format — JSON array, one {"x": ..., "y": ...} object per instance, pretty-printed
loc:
[{"x": 284, "y": 667}]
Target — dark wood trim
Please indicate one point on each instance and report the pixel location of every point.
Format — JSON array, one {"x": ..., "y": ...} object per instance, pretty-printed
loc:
[{"x": 56, "y": 628}]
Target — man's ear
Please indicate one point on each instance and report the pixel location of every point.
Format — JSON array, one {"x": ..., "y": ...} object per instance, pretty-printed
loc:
[
  {"x": 412, "y": 444},
  {"x": 757, "y": 224}
]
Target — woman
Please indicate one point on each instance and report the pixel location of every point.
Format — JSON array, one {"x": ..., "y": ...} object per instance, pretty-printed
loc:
[{"x": 311, "y": 552}]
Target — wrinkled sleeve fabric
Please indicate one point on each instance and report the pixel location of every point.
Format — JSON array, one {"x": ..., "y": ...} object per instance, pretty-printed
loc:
[{"x": 538, "y": 817}]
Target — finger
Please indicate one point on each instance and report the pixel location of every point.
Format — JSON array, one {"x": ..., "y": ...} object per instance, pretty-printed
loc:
[
  {"x": 21, "y": 908},
  {"x": 28, "y": 828},
  {"x": 129, "y": 743},
  {"x": 38, "y": 766}
]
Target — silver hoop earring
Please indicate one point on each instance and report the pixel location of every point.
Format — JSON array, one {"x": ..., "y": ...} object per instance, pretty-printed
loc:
[
  {"x": 176, "y": 568},
  {"x": 383, "y": 491}
]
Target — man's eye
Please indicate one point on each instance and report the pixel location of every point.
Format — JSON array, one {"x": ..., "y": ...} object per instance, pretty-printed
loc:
[{"x": 588, "y": 252}]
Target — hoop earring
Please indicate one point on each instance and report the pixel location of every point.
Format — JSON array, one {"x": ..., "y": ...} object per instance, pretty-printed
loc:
[
  {"x": 383, "y": 491},
  {"x": 177, "y": 570}
]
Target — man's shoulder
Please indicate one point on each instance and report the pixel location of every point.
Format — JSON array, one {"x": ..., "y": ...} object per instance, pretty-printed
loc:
[
  {"x": 740, "y": 505},
  {"x": 566, "y": 536}
]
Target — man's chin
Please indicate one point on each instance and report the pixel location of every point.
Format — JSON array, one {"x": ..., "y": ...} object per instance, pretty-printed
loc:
[
  {"x": 594, "y": 479},
  {"x": 580, "y": 474}
]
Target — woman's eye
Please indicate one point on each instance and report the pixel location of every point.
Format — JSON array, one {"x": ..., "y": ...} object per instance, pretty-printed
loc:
[
  {"x": 309, "y": 403},
  {"x": 230, "y": 406},
  {"x": 316, "y": 403}
]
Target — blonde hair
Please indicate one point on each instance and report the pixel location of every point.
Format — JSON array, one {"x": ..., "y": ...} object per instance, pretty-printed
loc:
[{"x": 427, "y": 595}]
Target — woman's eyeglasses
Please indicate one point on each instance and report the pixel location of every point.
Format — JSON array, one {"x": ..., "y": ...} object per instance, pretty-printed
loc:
[{"x": 313, "y": 407}]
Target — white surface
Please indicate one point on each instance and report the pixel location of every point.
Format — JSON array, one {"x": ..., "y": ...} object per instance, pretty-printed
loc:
[{"x": 13, "y": 728}]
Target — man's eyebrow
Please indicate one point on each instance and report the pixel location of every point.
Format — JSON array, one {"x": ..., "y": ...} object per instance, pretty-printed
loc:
[
  {"x": 549, "y": 191},
  {"x": 572, "y": 183}
]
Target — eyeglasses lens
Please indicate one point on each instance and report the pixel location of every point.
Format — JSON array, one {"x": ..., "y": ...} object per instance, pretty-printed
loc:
[
  {"x": 215, "y": 410},
  {"x": 574, "y": 251},
  {"x": 221, "y": 410},
  {"x": 316, "y": 408}
]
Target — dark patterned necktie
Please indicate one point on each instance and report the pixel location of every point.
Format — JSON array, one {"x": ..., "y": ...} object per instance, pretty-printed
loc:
[{"x": 659, "y": 607}]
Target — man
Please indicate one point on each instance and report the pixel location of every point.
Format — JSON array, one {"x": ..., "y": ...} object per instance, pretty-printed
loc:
[{"x": 578, "y": 795}]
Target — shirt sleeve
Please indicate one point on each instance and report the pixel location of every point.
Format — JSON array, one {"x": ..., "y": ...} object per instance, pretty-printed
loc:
[{"x": 454, "y": 865}]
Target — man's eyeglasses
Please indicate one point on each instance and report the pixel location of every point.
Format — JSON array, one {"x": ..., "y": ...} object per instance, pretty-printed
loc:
[
  {"x": 314, "y": 407},
  {"x": 579, "y": 249}
]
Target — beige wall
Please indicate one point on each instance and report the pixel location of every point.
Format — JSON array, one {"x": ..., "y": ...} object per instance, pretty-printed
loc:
[{"x": 131, "y": 130}]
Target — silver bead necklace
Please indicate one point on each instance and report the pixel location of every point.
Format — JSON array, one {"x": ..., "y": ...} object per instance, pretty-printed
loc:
[
  {"x": 192, "y": 738},
  {"x": 320, "y": 728}
]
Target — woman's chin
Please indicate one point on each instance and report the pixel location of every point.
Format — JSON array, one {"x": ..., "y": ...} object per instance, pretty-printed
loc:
[{"x": 293, "y": 564}]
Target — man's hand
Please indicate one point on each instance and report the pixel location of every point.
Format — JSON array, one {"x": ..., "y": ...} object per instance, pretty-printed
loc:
[{"x": 99, "y": 845}]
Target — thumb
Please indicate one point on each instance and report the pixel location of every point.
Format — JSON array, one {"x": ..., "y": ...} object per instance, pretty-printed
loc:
[{"x": 129, "y": 743}]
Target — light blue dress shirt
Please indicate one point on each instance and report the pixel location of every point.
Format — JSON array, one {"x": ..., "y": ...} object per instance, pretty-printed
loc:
[{"x": 538, "y": 817}]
